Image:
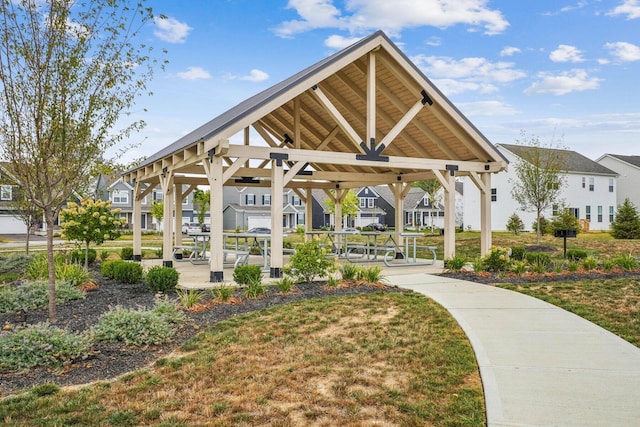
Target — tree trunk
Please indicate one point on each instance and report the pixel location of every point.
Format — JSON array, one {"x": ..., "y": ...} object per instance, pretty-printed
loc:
[
  {"x": 86, "y": 256},
  {"x": 50, "y": 220},
  {"x": 26, "y": 249},
  {"x": 538, "y": 228}
]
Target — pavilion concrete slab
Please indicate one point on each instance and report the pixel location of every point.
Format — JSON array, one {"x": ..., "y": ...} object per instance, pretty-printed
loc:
[{"x": 540, "y": 365}]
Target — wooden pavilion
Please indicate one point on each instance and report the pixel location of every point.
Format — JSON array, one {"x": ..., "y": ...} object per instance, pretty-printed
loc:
[{"x": 363, "y": 116}]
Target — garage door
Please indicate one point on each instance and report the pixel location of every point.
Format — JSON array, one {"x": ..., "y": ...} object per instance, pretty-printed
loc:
[
  {"x": 12, "y": 225},
  {"x": 259, "y": 221}
]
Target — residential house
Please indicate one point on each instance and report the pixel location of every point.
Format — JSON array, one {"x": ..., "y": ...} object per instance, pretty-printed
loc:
[
  {"x": 9, "y": 223},
  {"x": 249, "y": 207},
  {"x": 590, "y": 192},
  {"x": 628, "y": 170}
]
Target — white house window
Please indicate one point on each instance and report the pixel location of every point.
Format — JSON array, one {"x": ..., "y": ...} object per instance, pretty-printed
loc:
[
  {"x": 611, "y": 213},
  {"x": 554, "y": 210},
  {"x": 588, "y": 213},
  {"x": 371, "y": 203},
  {"x": 610, "y": 185},
  {"x": 250, "y": 199},
  {"x": 157, "y": 195},
  {"x": 266, "y": 199},
  {"x": 599, "y": 213},
  {"x": 584, "y": 182},
  {"x": 144, "y": 200},
  {"x": 591, "y": 184},
  {"x": 6, "y": 192},
  {"x": 295, "y": 201},
  {"x": 120, "y": 197},
  {"x": 363, "y": 202},
  {"x": 494, "y": 194}
]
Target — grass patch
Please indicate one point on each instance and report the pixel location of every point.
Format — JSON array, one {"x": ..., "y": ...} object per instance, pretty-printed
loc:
[
  {"x": 383, "y": 359},
  {"x": 611, "y": 304}
]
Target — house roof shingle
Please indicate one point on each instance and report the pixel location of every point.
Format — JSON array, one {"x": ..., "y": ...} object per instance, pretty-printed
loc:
[{"x": 575, "y": 162}]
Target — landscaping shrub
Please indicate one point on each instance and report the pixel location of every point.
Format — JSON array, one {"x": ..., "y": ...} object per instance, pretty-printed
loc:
[
  {"x": 576, "y": 254},
  {"x": 107, "y": 268},
  {"x": 245, "y": 274},
  {"x": 38, "y": 268},
  {"x": 518, "y": 253},
  {"x": 544, "y": 226},
  {"x": 565, "y": 219},
  {"x": 285, "y": 284},
  {"x": 254, "y": 288},
  {"x": 74, "y": 274},
  {"x": 515, "y": 224},
  {"x": 518, "y": 267},
  {"x": 41, "y": 345},
  {"x": 31, "y": 295},
  {"x": 189, "y": 298},
  {"x": 497, "y": 259},
  {"x": 223, "y": 292},
  {"x": 348, "y": 271},
  {"x": 309, "y": 261},
  {"x": 538, "y": 258},
  {"x": 371, "y": 274},
  {"x": 104, "y": 254},
  {"x": 589, "y": 263},
  {"x": 626, "y": 261},
  {"x": 127, "y": 272},
  {"x": 77, "y": 256},
  {"x": 15, "y": 262},
  {"x": 126, "y": 253},
  {"x": 456, "y": 263},
  {"x": 162, "y": 279},
  {"x": 138, "y": 328}
]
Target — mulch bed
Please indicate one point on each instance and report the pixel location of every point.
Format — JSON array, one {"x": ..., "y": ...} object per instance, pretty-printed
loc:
[{"x": 112, "y": 360}]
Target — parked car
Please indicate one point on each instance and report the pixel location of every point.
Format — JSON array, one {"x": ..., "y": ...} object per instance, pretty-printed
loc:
[
  {"x": 350, "y": 230},
  {"x": 190, "y": 227},
  {"x": 206, "y": 228},
  {"x": 259, "y": 230},
  {"x": 376, "y": 226}
]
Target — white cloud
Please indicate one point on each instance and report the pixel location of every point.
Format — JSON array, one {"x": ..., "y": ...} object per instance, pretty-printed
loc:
[
  {"x": 194, "y": 73},
  {"x": 255, "y": 76},
  {"x": 624, "y": 51},
  {"x": 171, "y": 30},
  {"x": 509, "y": 51},
  {"x": 339, "y": 42},
  {"x": 631, "y": 8},
  {"x": 566, "y": 53},
  {"x": 567, "y": 82},
  {"x": 392, "y": 16},
  {"x": 473, "y": 69},
  {"x": 434, "y": 41}
]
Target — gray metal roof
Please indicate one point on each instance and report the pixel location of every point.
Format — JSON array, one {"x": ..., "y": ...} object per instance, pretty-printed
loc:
[{"x": 575, "y": 162}]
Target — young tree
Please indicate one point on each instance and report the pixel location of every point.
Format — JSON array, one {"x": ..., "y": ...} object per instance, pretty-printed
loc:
[
  {"x": 627, "y": 222},
  {"x": 563, "y": 220},
  {"x": 515, "y": 224},
  {"x": 157, "y": 211},
  {"x": 68, "y": 71},
  {"x": 350, "y": 204},
  {"x": 431, "y": 187},
  {"x": 201, "y": 200},
  {"x": 91, "y": 221},
  {"x": 540, "y": 177}
]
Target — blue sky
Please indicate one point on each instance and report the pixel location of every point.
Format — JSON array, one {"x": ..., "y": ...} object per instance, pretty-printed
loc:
[{"x": 565, "y": 71}]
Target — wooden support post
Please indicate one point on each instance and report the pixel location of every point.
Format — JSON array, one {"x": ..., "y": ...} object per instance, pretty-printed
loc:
[
  {"x": 214, "y": 168},
  {"x": 277, "y": 199},
  {"x": 450, "y": 216},
  {"x": 137, "y": 222},
  {"x": 166, "y": 182},
  {"x": 308, "y": 212},
  {"x": 340, "y": 193},
  {"x": 485, "y": 215},
  {"x": 178, "y": 219}
]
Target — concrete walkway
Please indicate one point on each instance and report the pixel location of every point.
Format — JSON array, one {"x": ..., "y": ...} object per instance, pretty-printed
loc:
[{"x": 540, "y": 365}]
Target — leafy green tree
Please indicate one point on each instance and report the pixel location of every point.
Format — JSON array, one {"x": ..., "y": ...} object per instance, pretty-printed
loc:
[
  {"x": 563, "y": 220},
  {"x": 68, "y": 72},
  {"x": 157, "y": 211},
  {"x": 515, "y": 224},
  {"x": 91, "y": 222},
  {"x": 540, "y": 177},
  {"x": 201, "y": 201},
  {"x": 350, "y": 204},
  {"x": 627, "y": 222}
]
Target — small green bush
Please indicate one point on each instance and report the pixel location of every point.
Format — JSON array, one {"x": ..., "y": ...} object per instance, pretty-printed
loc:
[
  {"x": 254, "y": 288},
  {"x": 370, "y": 275},
  {"x": 126, "y": 253},
  {"x": 518, "y": 267},
  {"x": 189, "y": 298},
  {"x": 138, "y": 328},
  {"x": 576, "y": 254},
  {"x": 245, "y": 274},
  {"x": 41, "y": 345},
  {"x": 107, "y": 268},
  {"x": 77, "y": 256},
  {"x": 38, "y": 268},
  {"x": 626, "y": 261},
  {"x": 518, "y": 253},
  {"x": 497, "y": 259},
  {"x": 74, "y": 274},
  {"x": 285, "y": 284},
  {"x": 15, "y": 262},
  {"x": 104, "y": 254},
  {"x": 589, "y": 263},
  {"x": 162, "y": 279},
  {"x": 456, "y": 263},
  {"x": 31, "y": 295},
  {"x": 348, "y": 271},
  {"x": 309, "y": 261},
  {"x": 223, "y": 292},
  {"x": 538, "y": 258},
  {"x": 127, "y": 272}
]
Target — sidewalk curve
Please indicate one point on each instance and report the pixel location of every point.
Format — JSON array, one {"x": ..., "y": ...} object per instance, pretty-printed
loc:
[{"x": 540, "y": 365}]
